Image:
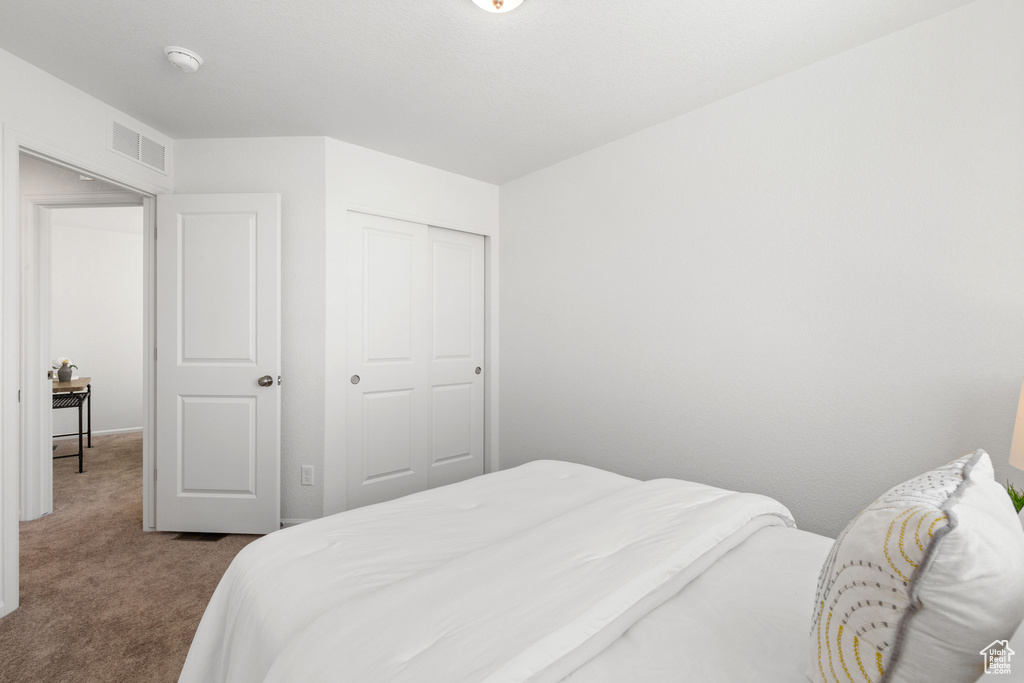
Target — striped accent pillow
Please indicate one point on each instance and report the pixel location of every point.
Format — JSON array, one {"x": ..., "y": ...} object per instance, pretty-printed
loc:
[{"x": 921, "y": 581}]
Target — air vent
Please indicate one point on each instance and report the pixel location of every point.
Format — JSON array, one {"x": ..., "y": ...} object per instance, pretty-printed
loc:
[
  {"x": 152, "y": 153},
  {"x": 126, "y": 140},
  {"x": 137, "y": 146}
]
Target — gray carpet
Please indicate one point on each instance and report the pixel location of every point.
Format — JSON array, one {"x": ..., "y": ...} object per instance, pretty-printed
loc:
[{"x": 100, "y": 599}]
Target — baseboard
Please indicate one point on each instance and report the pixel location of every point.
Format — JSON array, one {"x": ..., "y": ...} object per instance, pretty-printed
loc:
[
  {"x": 293, "y": 522},
  {"x": 103, "y": 432}
]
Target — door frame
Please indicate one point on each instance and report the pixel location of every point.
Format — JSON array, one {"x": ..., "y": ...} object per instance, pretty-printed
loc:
[
  {"x": 335, "y": 476},
  {"x": 14, "y": 143},
  {"x": 37, "y": 472}
]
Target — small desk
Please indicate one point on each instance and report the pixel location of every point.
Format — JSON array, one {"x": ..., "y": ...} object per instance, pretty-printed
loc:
[{"x": 74, "y": 394}]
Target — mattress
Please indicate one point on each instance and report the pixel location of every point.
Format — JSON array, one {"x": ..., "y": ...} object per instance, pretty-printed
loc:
[
  {"x": 264, "y": 598},
  {"x": 531, "y": 574}
]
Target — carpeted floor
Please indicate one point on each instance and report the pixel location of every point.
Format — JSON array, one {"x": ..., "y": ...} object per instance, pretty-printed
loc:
[{"x": 100, "y": 599}]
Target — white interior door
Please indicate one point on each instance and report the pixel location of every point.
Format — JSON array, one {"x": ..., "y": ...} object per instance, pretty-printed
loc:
[
  {"x": 218, "y": 405},
  {"x": 415, "y": 339}
]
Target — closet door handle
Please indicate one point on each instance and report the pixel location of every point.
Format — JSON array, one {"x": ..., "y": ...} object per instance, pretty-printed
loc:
[{"x": 265, "y": 381}]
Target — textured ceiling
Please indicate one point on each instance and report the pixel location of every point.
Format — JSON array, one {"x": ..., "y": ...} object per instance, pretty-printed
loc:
[{"x": 490, "y": 96}]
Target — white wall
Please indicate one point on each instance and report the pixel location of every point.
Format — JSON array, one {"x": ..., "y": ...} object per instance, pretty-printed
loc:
[
  {"x": 96, "y": 311},
  {"x": 812, "y": 289},
  {"x": 41, "y": 183}
]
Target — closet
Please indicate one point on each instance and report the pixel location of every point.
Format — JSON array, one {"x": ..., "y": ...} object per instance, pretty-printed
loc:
[{"x": 415, "y": 337}]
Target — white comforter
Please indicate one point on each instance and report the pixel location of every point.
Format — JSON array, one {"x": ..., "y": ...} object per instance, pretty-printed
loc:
[{"x": 520, "y": 575}]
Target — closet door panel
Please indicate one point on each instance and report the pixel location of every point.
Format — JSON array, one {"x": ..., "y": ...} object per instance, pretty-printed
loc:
[
  {"x": 457, "y": 355},
  {"x": 388, "y": 345}
]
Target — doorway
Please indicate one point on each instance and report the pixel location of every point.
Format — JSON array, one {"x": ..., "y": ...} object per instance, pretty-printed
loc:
[
  {"x": 95, "y": 317},
  {"x": 77, "y": 234},
  {"x": 24, "y": 401}
]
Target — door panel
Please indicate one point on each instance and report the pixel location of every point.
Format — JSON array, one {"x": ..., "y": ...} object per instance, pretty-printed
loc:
[
  {"x": 456, "y": 281},
  {"x": 415, "y": 330},
  {"x": 452, "y": 424},
  {"x": 218, "y": 445},
  {"x": 219, "y": 253},
  {"x": 388, "y": 420},
  {"x": 389, "y": 269},
  {"x": 218, "y": 331},
  {"x": 452, "y": 272},
  {"x": 388, "y": 347}
]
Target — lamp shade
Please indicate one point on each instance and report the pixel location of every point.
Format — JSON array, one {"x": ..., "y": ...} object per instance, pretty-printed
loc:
[{"x": 1017, "y": 445}]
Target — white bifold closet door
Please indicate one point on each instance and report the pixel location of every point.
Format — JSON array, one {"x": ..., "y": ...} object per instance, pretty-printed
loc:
[{"x": 415, "y": 408}]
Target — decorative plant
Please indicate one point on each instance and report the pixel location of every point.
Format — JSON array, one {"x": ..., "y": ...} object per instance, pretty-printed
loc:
[
  {"x": 1016, "y": 495},
  {"x": 57, "y": 362}
]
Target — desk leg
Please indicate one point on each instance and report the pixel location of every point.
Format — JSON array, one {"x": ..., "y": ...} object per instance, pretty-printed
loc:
[
  {"x": 89, "y": 398},
  {"x": 81, "y": 452}
]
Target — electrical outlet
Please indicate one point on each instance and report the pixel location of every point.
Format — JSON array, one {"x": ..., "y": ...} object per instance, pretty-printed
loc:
[{"x": 307, "y": 475}]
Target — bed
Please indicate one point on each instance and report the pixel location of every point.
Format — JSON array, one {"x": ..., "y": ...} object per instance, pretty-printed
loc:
[{"x": 551, "y": 571}]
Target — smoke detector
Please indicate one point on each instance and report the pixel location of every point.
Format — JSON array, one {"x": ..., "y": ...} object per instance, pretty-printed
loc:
[{"x": 183, "y": 59}]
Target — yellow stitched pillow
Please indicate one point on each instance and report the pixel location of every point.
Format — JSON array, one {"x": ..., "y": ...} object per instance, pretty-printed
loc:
[{"x": 921, "y": 581}]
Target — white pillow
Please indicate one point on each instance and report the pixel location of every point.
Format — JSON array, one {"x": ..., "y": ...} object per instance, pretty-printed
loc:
[{"x": 922, "y": 581}]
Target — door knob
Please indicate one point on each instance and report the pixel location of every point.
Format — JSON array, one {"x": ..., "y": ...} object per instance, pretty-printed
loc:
[
  {"x": 265, "y": 381},
  {"x": 478, "y": 370},
  {"x": 355, "y": 379}
]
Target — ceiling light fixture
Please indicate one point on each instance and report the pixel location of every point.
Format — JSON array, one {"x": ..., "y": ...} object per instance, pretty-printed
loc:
[
  {"x": 498, "y": 5},
  {"x": 183, "y": 59}
]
